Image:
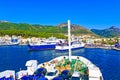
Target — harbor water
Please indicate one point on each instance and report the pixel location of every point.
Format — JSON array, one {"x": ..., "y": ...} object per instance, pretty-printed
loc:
[{"x": 15, "y": 57}]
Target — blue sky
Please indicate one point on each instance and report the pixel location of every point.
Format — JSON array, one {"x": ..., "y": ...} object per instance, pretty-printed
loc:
[{"x": 99, "y": 14}]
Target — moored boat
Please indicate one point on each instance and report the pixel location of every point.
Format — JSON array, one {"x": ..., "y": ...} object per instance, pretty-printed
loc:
[
  {"x": 41, "y": 46},
  {"x": 49, "y": 43},
  {"x": 14, "y": 41},
  {"x": 76, "y": 44}
]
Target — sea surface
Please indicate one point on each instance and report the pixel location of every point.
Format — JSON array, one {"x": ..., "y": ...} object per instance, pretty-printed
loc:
[{"x": 15, "y": 57}]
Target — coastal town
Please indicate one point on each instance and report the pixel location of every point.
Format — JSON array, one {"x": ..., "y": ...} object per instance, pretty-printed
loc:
[{"x": 89, "y": 41}]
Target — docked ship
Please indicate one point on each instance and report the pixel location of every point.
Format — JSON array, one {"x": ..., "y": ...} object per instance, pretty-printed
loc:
[
  {"x": 75, "y": 44},
  {"x": 49, "y": 43}
]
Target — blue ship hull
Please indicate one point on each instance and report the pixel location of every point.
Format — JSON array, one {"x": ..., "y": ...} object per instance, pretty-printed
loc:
[{"x": 42, "y": 47}]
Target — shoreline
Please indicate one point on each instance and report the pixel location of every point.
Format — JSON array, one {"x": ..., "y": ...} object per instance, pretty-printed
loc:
[{"x": 103, "y": 47}]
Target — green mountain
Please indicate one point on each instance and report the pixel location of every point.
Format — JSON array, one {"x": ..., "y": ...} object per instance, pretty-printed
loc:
[
  {"x": 28, "y": 30},
  {"x": 75, "y": 29},
  {"x": 110, "y": 32}
]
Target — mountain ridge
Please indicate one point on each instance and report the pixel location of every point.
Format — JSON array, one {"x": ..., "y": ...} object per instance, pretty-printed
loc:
[
  {"x": 77, "y": 29},
  {"x": 113, "y": 31},
  {"x": 61, "y": 28}
]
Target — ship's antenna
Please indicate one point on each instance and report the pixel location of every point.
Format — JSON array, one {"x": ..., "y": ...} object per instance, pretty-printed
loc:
[{"x": 69, "y": 40}]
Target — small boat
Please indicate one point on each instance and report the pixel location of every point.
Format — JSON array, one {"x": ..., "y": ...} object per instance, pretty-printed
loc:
[
  {"x": 48, "y": 44},
  {"x": 14, "y": 41}
]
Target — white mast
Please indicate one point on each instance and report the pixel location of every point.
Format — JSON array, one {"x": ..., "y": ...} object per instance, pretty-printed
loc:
[{"x": 69, "y": 39}]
